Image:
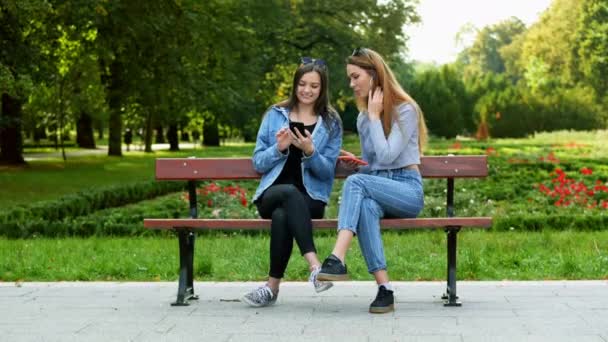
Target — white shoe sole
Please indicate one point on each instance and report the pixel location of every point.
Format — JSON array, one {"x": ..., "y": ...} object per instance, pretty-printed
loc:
[{"x": 325, "y": 287}]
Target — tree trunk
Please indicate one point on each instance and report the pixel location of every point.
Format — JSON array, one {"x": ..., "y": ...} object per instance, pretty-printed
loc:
[
  {"x": 114, "y": 102},
  {"x": 160, "y": 138},
  {"x": 84, "y": 131},
  {"x": 115, "y": 138},
  {"x": 39, "y": 133},
  {"x": 211, "y": 132},
  {"x": 148, "y": 133},
  {"x": 172, "y": 137},
  {"x": 11, "y": 140}
]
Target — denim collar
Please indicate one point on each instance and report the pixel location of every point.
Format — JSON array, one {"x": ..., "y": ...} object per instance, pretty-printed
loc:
[{"x": 285, "y": 111}]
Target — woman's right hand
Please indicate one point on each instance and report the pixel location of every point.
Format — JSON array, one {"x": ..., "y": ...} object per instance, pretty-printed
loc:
[
  {"x": 348, "y": 164},
  {"x": 375, "y": 103},
  {"x": 283, "y": 139}
]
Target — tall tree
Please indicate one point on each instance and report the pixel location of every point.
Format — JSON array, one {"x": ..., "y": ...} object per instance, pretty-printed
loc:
[
  {"x": 547, "y": 45},
  {"x": 592, "y": 45},
  {"x": 23, "y": 29},
  {"x": 484, "y": 55}
]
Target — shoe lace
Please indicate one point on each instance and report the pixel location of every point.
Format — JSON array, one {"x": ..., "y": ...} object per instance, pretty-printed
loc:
[
  {"x": 262, "y": 294},
  {"x": 313, "y": 277}
]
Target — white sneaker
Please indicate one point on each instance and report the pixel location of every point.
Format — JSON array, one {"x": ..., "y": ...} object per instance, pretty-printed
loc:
[
  {"x": 319, "y": 285},
  {"x": 262, "y": 296}
]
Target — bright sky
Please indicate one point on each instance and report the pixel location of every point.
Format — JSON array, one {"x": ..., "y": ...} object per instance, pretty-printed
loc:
[{"x": 434, "y": 38}]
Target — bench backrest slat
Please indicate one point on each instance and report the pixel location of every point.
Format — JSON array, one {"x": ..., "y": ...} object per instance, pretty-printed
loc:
[{"x": 242, "y": 168}]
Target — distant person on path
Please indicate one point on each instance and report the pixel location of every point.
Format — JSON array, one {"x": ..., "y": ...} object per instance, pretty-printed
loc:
[
  {"x": 296, "y": 152},
  {"x": 392, "y": 132},
  {"x": 128, "y": 138}
]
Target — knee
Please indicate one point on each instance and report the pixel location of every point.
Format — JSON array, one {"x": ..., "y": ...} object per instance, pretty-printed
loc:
[
  {"x": 289, "y": 191},
  {"x": 279, "y": 218},
  {"x": 354, "y": 180}
]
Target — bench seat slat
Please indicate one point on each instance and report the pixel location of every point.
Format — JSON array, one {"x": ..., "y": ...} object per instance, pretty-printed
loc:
[
  {"x": 259, "y": 224},
  {"x": 242, "y": 168}
]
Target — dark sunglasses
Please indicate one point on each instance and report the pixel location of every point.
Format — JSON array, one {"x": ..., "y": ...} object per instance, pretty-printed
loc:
[
  {"x": 360, "y": 51},
  {"x": 313, "y": 61}
]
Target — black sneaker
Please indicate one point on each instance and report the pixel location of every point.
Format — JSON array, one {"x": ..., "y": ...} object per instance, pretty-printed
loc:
[
  {"x": 384, "y": 302},
  {"x": 333, "y": 270}
]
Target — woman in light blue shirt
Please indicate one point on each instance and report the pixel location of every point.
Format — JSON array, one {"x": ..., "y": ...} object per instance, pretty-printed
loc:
[
  {"x": 297, "y": 167},
  {"x": 392, "y": 132}
]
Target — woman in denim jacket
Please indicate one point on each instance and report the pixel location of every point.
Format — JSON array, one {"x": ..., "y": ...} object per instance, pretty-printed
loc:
[
  {"x": 392, "y": 132},
  {"x": 297, "y": 170}
]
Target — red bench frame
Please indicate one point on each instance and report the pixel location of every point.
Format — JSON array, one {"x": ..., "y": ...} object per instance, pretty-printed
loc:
[{"x": 198, "y": 169}]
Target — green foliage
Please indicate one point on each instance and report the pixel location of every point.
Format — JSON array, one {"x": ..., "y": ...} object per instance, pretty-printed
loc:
[
  {"x": 49, "y": 217},
  {"x": 442, "y": 97},
  {"x": 484, "y": 55},
  {"x": 549, "y": 43},
  {"x": 592, "y": 43},
  {"x": 544, "y": 78}
]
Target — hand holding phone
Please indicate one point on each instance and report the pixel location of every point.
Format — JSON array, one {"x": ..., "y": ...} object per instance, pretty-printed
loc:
[
  {"x": 352, "y": 160},
  {"x": 295, "y": 124}
]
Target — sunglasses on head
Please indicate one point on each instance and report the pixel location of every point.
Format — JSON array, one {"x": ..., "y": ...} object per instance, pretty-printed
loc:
[
  {"x": 313, "y": 61},
  {"x": 360, "y": 51}
]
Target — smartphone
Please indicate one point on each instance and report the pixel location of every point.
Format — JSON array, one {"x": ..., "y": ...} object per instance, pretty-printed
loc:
[
  {"x": 354, "y": 159},
  {"x": 298, "y": 125}
]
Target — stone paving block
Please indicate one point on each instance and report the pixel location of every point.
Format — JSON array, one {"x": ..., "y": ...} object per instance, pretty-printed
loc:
[
  {"x": 182, "y": 337},
  {"x": 425, "y": 326},
  {"x": 293, "y": 338},
  {"x": 489, "y": 327},
  {"x": 563, "y": 326},
  {"x": 530, "y": 338},
  {"x": 410, "y": 338},
  {"x": 341, "y": 326},
  {"x": 205, "y": 325}
]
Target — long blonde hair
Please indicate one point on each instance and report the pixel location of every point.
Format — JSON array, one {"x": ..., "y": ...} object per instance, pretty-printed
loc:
[{"x": 394, "y": 95}]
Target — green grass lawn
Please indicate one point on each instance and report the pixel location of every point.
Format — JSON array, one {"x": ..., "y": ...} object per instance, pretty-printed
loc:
[
  {"x": 50, "y": 179},
  {"x": 517, "y": 166},
  {"x": 411, "y": 256}
]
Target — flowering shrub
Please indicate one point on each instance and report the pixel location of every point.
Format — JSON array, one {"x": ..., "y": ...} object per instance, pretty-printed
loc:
[
  {"x": 549, "y": 158},
  {"x": 570, "y": 192},
  {"x": 491, "y": 151},
  {"x": 455, "y": 146},
  {"x": 230, "y": 201}
]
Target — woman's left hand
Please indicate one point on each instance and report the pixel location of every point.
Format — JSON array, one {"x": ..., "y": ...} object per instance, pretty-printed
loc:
[{"x": 303, "y": 141}]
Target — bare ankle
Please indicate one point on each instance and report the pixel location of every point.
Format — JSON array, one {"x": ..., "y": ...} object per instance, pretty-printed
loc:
[{"x": 339, "y": 256}]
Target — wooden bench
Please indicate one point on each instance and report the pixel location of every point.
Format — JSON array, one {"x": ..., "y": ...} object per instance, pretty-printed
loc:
[{"x": 198, "y": 169}]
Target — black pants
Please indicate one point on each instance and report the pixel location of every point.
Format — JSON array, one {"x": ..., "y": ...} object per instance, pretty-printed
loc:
[{"x": 291, "y": 212}]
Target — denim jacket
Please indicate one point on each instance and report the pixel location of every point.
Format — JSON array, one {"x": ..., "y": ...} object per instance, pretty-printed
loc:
[{"x": 317, "y": 170}]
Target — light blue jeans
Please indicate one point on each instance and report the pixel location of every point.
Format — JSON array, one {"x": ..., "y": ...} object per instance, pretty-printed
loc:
[{"x": 366, "y": 198}]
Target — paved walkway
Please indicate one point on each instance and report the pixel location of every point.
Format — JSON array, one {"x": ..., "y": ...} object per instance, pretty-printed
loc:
[
  {"x": 491, "y": 311},
  {"x": 103, "y": 150}
]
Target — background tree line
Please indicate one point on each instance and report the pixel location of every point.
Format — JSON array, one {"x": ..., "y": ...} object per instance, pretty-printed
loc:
[
  {"x": 170, "y": 65},
  {"x": 515, "y": 80},
  {"x": 211, "y": 68}
]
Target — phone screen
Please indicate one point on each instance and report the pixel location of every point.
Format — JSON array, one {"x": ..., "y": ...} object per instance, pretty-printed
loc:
[{"x": 298, "y": 125}]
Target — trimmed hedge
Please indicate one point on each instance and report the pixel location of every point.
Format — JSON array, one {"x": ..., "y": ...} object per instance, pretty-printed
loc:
[
  {"x": 49, "y": 217},
  {"x": 537, "y": 222}
]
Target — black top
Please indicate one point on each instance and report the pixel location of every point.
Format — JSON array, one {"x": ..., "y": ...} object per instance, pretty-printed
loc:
[{"x": 292, "y": 171}]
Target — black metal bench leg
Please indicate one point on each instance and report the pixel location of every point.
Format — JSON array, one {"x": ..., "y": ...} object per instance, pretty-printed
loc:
[
  {"x": 451, "y": 299},
  {"x": 185, "y": 291},
  {"x": 190, "y": 285}
]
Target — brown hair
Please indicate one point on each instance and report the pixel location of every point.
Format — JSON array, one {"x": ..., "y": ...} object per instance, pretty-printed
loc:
[
  {"x": 322, "y": 106},
  {"x": 394, "y": 95}
]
